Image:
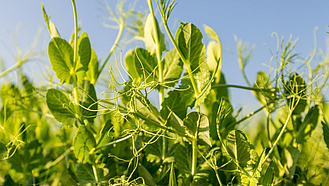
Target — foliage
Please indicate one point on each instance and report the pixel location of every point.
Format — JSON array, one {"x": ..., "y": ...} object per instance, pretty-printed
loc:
[{"x": 66, "y": 134}]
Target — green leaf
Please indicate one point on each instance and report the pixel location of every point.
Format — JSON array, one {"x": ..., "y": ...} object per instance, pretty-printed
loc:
[
  {"x": 176, "y": 103},
  {"x": 197, "y": 126},
  {"x": 211, "y": 33},
  {"x": 84, "y": 56},
  {"x": 131, "y": 67},
  {"x": 145, "y": 174},
  {"x": 85, "y": 174},
  {"x": 141, "y": 65},
  {"x": 92, "y": 72},
  {"x": 269, "y": 175},
  {"x": 173, "y": 68},
  {"x": 203, "y": 83},
  {"x": 213, "y": 55},
  {"x": 88, "y": 100},
  {"x": 238, "y": 147},
  {"x": 61, "y": 107},
  {"x": 295, "y": 89},
  {"x": 309, "y": 124},
  {"x": 183, "y": 156},
  {"x": 50, "y": 25},
  {"x": 60, "y": 55},
  {"x": 83, "y": 144},
  {"x": 150, "y": 37},
  {"x": 224, "y": 119},
  {"x": 214, "y": 51},
  {"x": 189, "y": 40},
  {"x": 325, "y": 128},
  {"x": 263, "y": 81}
]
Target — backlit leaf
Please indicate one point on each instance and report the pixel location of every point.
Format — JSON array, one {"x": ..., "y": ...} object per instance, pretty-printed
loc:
[
  {"x": 84, "y": 56},
  {"x": 60, "y": 55},
  {"x": 92, "y": 68},
  {"x": 173, "y": 68},
  {"x": 197, "y": 126},
  {"x": 61, "y": 107},
  {"x": 150, "y": 37},
  {"x": 189, "y": 40},
  {"x": 238, "y": 147},
  {"x": 83, "y": 143}
]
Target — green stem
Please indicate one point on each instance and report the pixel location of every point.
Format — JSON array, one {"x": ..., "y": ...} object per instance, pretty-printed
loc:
[
  {"x": 278, "y": 138},
  {"x": 75, "y": 57},
  {"x": 160, "y": 68},
  {"x": 194, "y": 155},
  {"x": 195, "y": 88},
  {"x": 14, "y": 67},
  {"x": 244, "y": 87},
  {"x": 115, "y": 44}
]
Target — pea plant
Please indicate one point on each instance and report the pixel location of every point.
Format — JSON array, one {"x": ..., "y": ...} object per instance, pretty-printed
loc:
[{"x": 64, "y": 134}]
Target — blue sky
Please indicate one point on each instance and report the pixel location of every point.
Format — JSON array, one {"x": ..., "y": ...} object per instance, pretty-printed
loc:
[{"x": 253, "y": 21}]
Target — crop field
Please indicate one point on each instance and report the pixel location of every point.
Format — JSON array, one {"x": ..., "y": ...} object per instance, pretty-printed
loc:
[{"x": 96, "y": 123}]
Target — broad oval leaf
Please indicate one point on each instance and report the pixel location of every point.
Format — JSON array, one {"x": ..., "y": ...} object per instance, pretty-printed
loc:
[
  {"x": 263, "y": 81},
  {"x": 131, "y": 67},
  {"x": 141, "y": 65},
  {"x": 189, "y": 40},
  {"x": 213, "y": 55},
  {"x": 150, "y": 37},
  {"x": 92, "y": 72},
  {"x": 197, "y": 126},
  {"x": 83, "y": 143},
  {"x": 173, "y": 68},
  {"x": 84, "y": 55},
  {"x": 238, "y": 147},
  {"x": 309, "y": 124},
  {"x": 61, "y": 107},
  {"x": 60, "y": 55}
]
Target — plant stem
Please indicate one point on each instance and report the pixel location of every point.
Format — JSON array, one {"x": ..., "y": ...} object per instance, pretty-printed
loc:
[
  {"x": 160, "y": 68},
  {"x": 194, "y": 155},
  {"x": 17, "y": 65},
  {"x": 243, "y": 87},
  {"x": 195, "y": 88},
  {"x": 75, "y": 57},
  {"x": 278, "y": 138}
]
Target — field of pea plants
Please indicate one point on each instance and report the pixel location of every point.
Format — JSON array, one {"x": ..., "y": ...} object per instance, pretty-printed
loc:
[{"x": 67, "y": 133}]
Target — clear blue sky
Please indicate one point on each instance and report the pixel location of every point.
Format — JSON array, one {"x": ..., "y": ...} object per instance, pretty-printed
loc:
[{"x": 253, "y": 21}]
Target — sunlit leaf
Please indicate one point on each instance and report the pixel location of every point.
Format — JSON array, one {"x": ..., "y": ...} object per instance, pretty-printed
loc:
[
  {"x": 61, "y": 107},
  {"x": 60, "y": 55},
  {"x": 269, "y": 175},
  {"x": 173, "y": 68},
  {"x": 150, "y": 37},
  {"x": 83, "y": 143},
  {"x": 197, "y": 125},
  {"x": 84, "y": 56},
  {"x": 238, "y": 147},
  {"x": 92, "y": 68},
  {"x": 309, "y": 124}
]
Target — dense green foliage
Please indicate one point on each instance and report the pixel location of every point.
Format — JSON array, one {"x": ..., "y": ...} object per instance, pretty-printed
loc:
[{"x": 64, "y": 134}]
